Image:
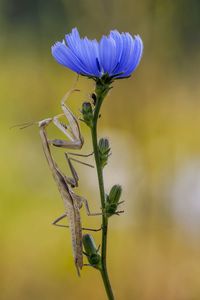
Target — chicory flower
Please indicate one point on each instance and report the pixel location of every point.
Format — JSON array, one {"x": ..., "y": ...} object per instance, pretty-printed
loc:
[{"x": 116, "y": 55}]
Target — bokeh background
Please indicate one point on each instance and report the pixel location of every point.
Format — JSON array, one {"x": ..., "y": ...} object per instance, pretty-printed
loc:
[{"x": 153, "y": 122}]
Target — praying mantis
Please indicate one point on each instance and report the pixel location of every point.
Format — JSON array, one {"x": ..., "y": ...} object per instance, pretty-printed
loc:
[{"x": 72, "y": 201}]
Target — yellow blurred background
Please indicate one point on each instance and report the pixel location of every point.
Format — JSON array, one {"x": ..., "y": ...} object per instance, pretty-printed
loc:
[{"x": 152, "y": 120}]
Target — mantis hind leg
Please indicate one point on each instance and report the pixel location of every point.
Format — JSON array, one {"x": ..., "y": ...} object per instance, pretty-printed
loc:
[
  {"x": 73, "y": 181},
  {"x": 57, "y": 220}
]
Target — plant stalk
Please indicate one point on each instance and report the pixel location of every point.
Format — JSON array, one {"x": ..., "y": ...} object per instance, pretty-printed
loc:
[{"x": 104, "y": 272}]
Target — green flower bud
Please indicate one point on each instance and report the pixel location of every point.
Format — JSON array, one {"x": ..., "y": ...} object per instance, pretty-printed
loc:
[
  {"x": 87, "y": 113},
  {"x": 91, "y": 251},
  {"x": 103, "y": 144},
  {"x": 115, "y": 193},
  {"x": 104, "y": 151},
  {"x": 112, "y": 200}
]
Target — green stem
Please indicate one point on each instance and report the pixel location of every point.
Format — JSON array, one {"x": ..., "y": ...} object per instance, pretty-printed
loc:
[{"x": 104, "y": 272}]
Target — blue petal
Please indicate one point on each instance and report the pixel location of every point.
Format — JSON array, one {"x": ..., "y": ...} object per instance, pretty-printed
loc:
[
  {"x": 64, "y": 56},
  {"x": 119, "y": 48},
  {"x": 85, "y": 50},
  {"x": 107, "y": 54},
  {"x": 73, "y": 41},
  {"x": 90, "y": 55},
  {"x": 135, "y": 57},
  {"x": 128, "y": 44}
]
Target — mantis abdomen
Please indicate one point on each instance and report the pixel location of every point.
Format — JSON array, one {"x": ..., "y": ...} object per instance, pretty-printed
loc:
[{"x": 73, "y": 215}]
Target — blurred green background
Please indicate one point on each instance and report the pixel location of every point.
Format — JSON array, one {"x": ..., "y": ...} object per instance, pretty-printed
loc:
[{"x": 152, "y": 120}]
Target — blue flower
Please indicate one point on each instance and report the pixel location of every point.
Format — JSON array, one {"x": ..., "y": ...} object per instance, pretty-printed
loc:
[{"x": 116, "y": 55}]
